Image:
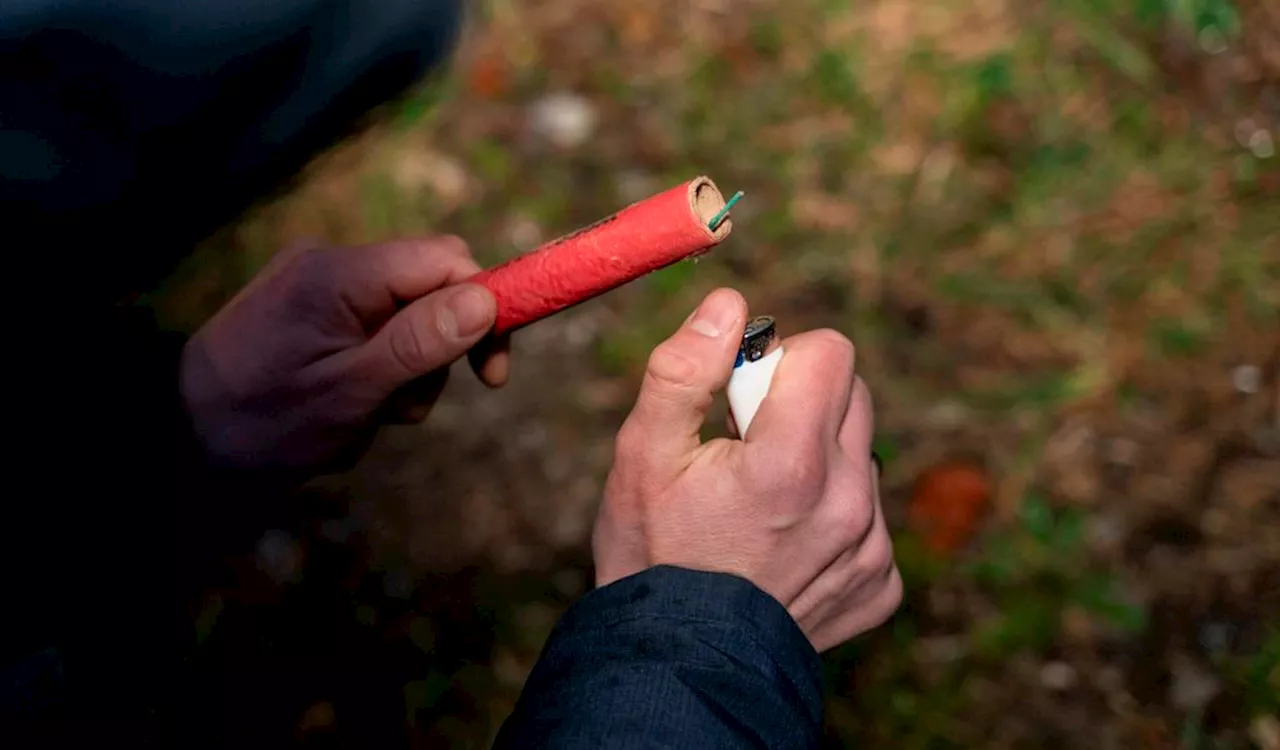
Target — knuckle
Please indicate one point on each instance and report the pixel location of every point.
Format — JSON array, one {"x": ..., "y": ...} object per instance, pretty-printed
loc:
[
  {"x": 314, "y": 268},
  {"x": 430, "y": 243},
  {"x": 798, "y": 474},
  {"x": 409, "y": 348},
  {"x": 885, "y": 602},
  {"x": 615, "y": 492},
  {"x": 893, "y": 593},
  {"x": 835, "y": 348},
  {"x": 444, "y": 250},
  {"x": 628, "y": 442},
  {"x": 852, "y": 512},
  {"x": 877, "y": 553},
  {"x": 632, "y": 447},
  {"x": 450, "y": 244},
  {"x": 854, "y": 518},
  {"x": 668, "y": 367}
]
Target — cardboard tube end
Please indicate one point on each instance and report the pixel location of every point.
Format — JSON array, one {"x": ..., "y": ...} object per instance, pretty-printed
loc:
[{"x": 706, "y": 200}]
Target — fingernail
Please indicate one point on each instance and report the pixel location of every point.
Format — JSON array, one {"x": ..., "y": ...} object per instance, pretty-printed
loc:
[
  {"x": 471, "y": 310},
  {"x": 714, "y": 316}
]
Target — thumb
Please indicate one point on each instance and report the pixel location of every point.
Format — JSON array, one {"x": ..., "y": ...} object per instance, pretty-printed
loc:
[
  {"x": 681, "y": 379},
  {"x": 428, "y": 335}
]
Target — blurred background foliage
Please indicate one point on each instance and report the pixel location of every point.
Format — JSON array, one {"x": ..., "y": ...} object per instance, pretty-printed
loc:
[{"x": 1052, "y": 228}]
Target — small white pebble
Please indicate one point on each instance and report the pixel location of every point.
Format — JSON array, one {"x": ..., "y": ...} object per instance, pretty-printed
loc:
[
  {"x": 1215, "y": 637},
  {"x": 947, "y": 415},
  {"x": 565, "y": 119},
  {"x": 523, "y": 233},
  {"x": 1247, "y": 379},
  {"x": 1262, "y": 145},
  {"x": 1212, "y": 41},
  {"x": 580, "y": 332},
  {"x": 1192, "y": 686},
  {"x": 1057, "y": 675},
  {"x": 1123, "y": 452},
  {"x": 441, "y": 174}
]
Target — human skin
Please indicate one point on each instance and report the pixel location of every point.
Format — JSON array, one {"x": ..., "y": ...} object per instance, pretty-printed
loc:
[
  {"x": 297, "y": 373},
  {"x": 326, "y": 344},
  {"x": 794, "y": 508}
]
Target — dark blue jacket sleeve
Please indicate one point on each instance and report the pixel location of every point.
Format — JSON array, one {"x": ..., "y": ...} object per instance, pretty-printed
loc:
[{"x": 672, "y": 658}]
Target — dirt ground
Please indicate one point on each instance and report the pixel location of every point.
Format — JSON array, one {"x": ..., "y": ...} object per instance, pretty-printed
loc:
[{"x": 1051, "y": 228}]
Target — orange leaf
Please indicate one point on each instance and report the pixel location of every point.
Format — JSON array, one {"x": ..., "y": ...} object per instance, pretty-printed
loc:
[
  {"x": 489, "y": 78},
  {"x": 947, "y": 504}
]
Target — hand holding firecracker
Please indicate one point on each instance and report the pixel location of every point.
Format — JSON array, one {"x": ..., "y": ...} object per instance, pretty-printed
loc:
[
  {"x": 299, "y": 370},
  {"x": 793, "y": 506}
]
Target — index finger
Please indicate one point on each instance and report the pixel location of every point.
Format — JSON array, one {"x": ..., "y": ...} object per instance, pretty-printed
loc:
[
  {"x": 384, "y": 276},
  {"x": 401, "y": 271}
]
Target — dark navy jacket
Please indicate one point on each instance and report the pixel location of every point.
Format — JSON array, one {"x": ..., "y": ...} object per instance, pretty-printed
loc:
[
  {"x": 129, "y": 130},
  {"x": 672, "y": 658}
]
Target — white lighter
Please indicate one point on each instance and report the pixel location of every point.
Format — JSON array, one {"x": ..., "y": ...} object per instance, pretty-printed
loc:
[{"x": 758, "y": 358}]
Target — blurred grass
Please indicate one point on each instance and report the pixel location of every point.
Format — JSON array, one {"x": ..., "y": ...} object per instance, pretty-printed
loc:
[{"x": 1019, "y": 206}]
